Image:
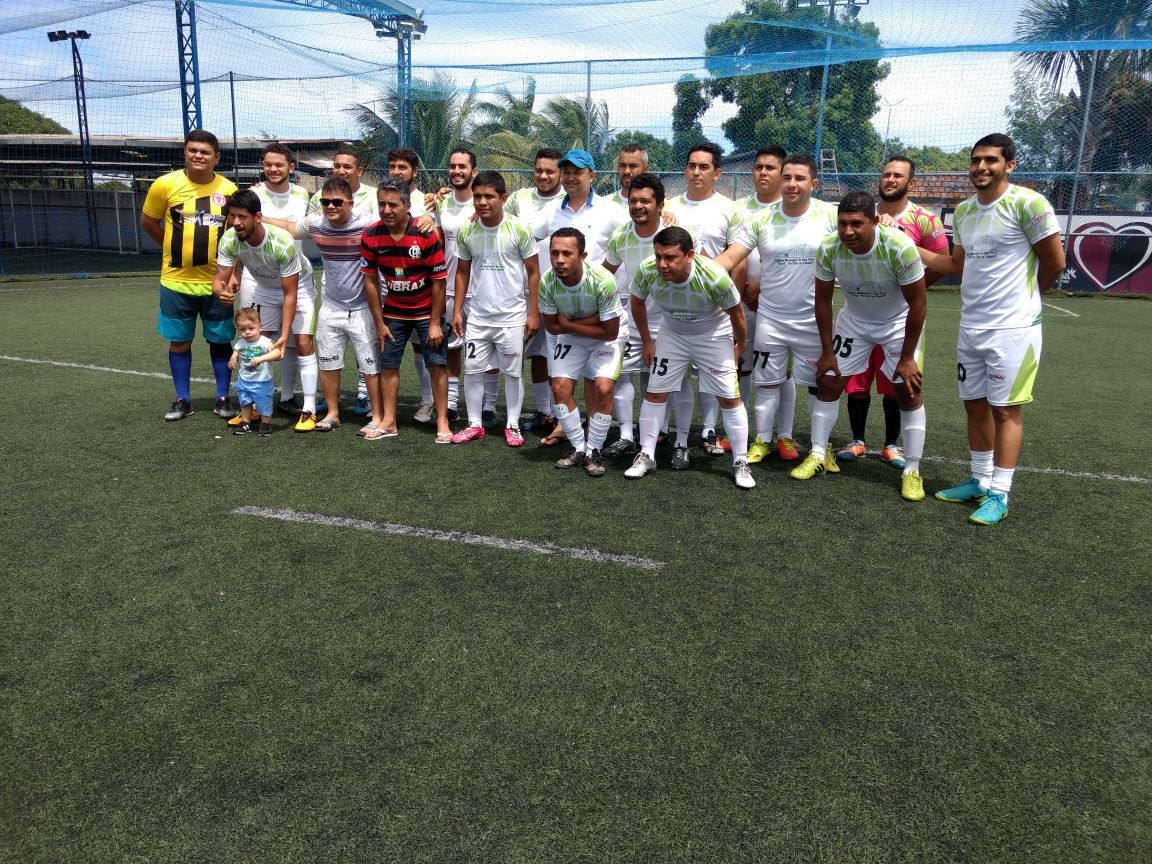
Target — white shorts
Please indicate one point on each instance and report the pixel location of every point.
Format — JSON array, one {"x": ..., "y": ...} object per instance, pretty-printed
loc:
[
  {"x": 537, "y": 346},
  {"x": 270, "y": 305},
  {"x": 335, "y": 328},
  {"x": 998, "y": 365},
  {"x": 631, "y": 350},
  {"x": 494, "y": 347},
  {"x": 744, "y": 367},
  {"x": 711, "y": 354},
  {"x": 454, "y": 342},
  {"x": 577, "y": 357},
  {"x": 853, "y": 341},
  {"x": 776, "y": 341}
]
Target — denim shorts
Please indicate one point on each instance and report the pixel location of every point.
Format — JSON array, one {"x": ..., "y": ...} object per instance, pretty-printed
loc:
[{"x": 404, "y": 329}]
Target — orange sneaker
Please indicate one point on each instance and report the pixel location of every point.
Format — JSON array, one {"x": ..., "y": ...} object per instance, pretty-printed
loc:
[{"x": 786, "y": 449}]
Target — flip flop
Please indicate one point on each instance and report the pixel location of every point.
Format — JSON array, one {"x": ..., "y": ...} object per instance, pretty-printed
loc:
[
  {"x": 327, "y": 425},
  {"x": 443, "y": 437},
  {"x": 376, "y": 433},
  {"x": 364, "y": 430}
]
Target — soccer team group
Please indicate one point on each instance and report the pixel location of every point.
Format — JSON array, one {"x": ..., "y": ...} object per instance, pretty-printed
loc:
[{"x": 615, "y": 291}]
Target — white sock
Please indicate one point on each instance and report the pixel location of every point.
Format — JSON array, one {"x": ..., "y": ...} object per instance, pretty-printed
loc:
[
  {"x": 736, "y": 425},
  {"x": 598, "y": 426},
  {"x": 785, "y": 410},
  {"x": 491, "y": 390},
  {"x": 453, "y": 392},
  {"x": 513, "y": 398},
  {"x": 624, "y": 399},
  {"x": 1002, "y": 480},
  {"x": 570, "y": 423},
  {"x": 309, "y": 377},
  {"x": 824, "y": 416},
  {"x": 542, "y": 392},
  {"x": 288, "y": 373},
  {"x": 709, "y": 411},
  {"x": 685, "y": 401},
  {"x": 650, "y": 417},
  {"x": 913, "y": 425},
  {"x": 474, "y": 398},
  {"x": 767, "y": 401},
  {"x": 425, "y": 379},
  {"x": 982, "y": 466},
  {"x": 361, "y": 386}
]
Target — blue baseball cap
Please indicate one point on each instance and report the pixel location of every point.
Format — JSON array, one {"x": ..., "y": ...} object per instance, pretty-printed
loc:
[{"x": 579, "y": 159}]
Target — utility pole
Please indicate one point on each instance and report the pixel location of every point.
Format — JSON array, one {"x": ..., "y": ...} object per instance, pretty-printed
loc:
[{"x": 82, "y": 124}]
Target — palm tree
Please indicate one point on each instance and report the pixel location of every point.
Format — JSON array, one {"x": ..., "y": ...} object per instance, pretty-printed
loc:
[
  {"x": 566, "y": 123},
  {"x": 1096, "y": 71},
  {"x": 442, "y": 119},
  {"x": 507, "y": 112}
]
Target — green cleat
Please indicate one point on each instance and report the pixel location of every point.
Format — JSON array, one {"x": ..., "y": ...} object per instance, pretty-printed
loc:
[
  {"x": 992, "y": 511},
  {"x": 809, "y": 468},
  {"x": 969, "y": 490},
  {"x": 758, "y": 451},
  {"x": 912, "y": 486}
]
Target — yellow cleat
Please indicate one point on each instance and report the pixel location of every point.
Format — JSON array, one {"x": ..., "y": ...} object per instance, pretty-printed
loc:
[
  {"x": 912, "y": 486},
  {"x": 237, "y": 420},
  {"x": 758, "y": 451},
  {"x": 830, "y": 462},
  {"x": 812, "y": 466},
  {"x": 306, "y": 423}
]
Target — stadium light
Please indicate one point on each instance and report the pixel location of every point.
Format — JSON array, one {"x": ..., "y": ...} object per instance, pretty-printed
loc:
[
  {"x": 852, "y": 7},
  {"x": 82, "y": 123}
]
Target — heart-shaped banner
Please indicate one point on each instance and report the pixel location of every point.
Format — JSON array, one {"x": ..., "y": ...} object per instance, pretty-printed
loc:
[{"x": 1111, "y": 254}]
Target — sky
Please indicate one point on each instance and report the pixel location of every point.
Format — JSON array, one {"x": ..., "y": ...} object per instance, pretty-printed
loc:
[{"x": 336, "y": 60}]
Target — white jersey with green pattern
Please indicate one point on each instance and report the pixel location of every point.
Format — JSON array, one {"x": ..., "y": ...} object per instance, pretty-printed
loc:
[
  {"x": 714, "y": 223},
  {"x": 627, "y": 251},
  {"x": 787, "y": 246},
  {"x": 750, "y": 207},
  {"x": 999, "y": 287},
  {"x": 694, "y": 307},
  {"x": 290, "y": 206},
  {"x": 618, "y": 198},
  {"x": 594, "y": 294},
  {"x": 273, "y": 258},
  {"x": 496, "y": 282},
  {"x": 871, "y": 282},
  {"x": 363, "y": 201},
  {"x": 452, "y": 215},
  {"x": 527, "y": 203}
]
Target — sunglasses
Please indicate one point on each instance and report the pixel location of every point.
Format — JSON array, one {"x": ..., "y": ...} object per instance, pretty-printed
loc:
[{"x": 332, "y": 202}]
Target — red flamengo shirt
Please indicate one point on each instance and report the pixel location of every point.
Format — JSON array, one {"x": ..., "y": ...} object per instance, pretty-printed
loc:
[{"x": 406, "y": 268}]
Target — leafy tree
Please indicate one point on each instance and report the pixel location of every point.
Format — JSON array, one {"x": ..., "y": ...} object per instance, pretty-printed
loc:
[
  {"x": 15, "y": 119},
  {"x": 691, "y": 103},
  {"x": 782, "y": 107},
  {"x": 928, "y": 158},
  {"x": 566, "y": 123},
  {"x": 660, "y": 154}
]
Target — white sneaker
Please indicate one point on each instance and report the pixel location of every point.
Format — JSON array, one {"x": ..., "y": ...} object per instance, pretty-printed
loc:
[
  {"x": 424, "y": 412},
  {"x": 742, "y": 474},
  {"x": 641, "y": 465}
]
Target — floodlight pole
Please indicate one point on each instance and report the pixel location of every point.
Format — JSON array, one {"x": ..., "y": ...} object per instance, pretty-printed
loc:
[
  {"x": 189, "y": 65},
  {"x": 82, "y": 126},
  {"x": 853, "y": 7},
  {"x": 404, "y": 29}
]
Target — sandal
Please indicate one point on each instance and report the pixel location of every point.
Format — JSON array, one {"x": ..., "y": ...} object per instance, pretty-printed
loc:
[
  {"x": 327, "y": 425},
  {"x": 443, "y": 437},
  {"x": 376, "y": 433},
  {"x": 365, "y": 429}
]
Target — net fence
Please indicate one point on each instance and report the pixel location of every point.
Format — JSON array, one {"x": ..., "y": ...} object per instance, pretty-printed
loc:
[{"x": 850, "y": 83}]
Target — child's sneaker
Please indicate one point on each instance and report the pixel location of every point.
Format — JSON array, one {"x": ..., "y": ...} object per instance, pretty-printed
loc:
[{"x": 265, "y": 430}]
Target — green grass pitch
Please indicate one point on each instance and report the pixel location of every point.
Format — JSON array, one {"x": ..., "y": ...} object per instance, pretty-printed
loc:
[{"x": 820, "y": 672}]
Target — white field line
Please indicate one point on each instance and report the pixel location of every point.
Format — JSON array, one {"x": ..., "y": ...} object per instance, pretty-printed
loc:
[
  {"x": 1061, "y": 309},
  {"x": 93, "y": 368},
  {"x": 1062, "y": 472},
  {"x": 581, "y": 554},
  {"x": 1089, "y": 475}
]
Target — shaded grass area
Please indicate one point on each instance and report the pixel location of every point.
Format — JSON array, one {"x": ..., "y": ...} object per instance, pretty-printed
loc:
[{"x": 821, "y": 672}]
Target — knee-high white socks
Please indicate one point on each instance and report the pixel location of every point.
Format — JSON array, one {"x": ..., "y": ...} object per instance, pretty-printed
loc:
[
  {"x": 598, "y": 426},
  {"x": 651, "y": 416},
  {"x": 912, "y": 426},
  {"x": 736, "y": 425},
  {"x": 474, "y": 398},
  {"x": 570, "y": 423},
  {"x": 709, "y": 411},
  {"x": 425, "y": 379},
  {"x": 684, "y": 401},
  {"x": 824, "y": 416},
  {"x": 309, "y": 377},
  {"x": 453, "y": 392},
  {"x": 786, "y": 409},
  {"x": 513, "y": 398},
  {"x": 623, "y": 399},
  {"x": 288, "y": 372},
  {"x": 767, "y": 401},
  {"x": 492, "y": 390}
]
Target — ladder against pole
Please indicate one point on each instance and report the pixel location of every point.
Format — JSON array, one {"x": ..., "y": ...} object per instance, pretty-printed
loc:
[{"x": 829, "y": 172}]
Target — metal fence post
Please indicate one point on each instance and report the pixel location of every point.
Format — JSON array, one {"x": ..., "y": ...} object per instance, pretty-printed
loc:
[{"x": 1080, "y": 152}]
